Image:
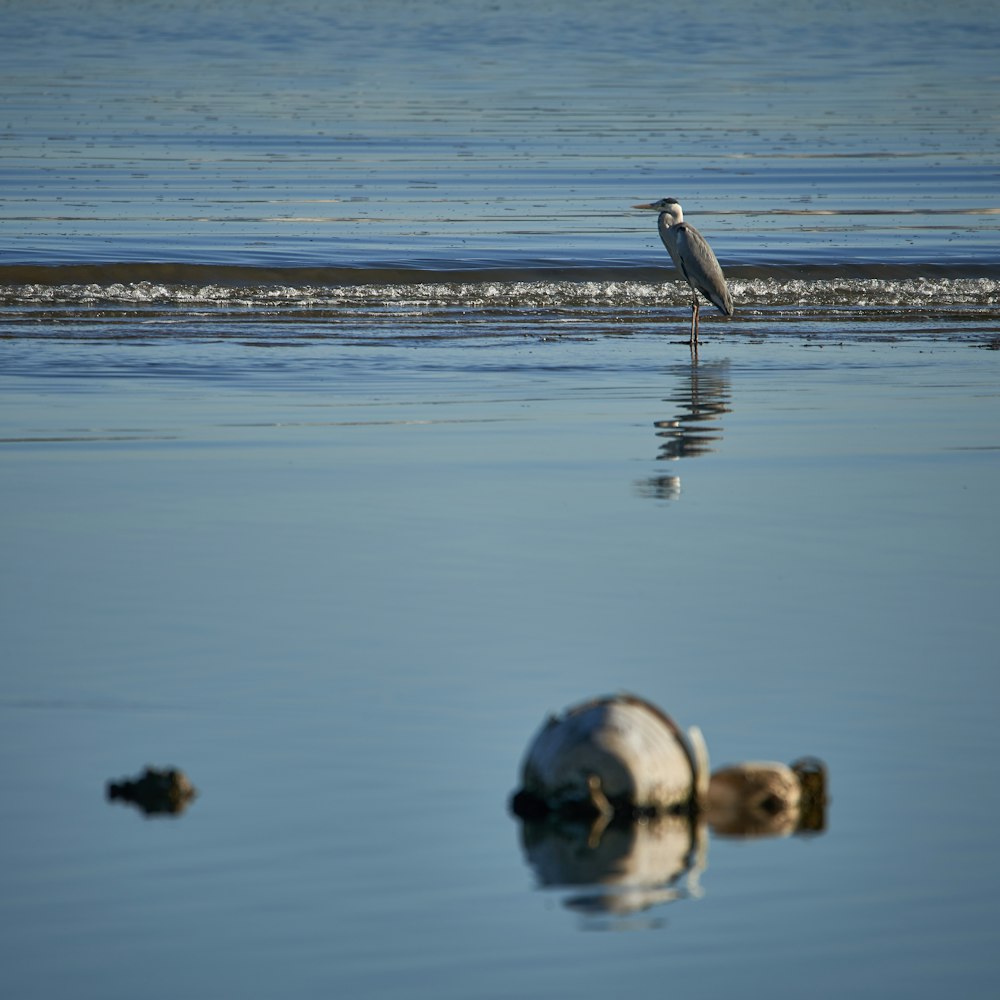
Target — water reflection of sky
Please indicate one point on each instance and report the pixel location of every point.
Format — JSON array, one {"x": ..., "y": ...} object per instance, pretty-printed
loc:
[
  {"x": 338, "y": 580},
  {"x": 339, "y": 585},
  {"x": 514, "y": 130}
]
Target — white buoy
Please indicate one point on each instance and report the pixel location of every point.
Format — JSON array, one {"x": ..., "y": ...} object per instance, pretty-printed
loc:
[{"x": 612, "y": 756}]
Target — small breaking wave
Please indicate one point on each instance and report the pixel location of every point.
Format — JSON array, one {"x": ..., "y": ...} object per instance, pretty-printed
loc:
[
  {"x": 572, "y": 295},
  {"x": 405, "y": 304}
]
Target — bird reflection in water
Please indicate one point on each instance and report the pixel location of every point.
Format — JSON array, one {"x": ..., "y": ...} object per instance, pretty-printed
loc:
[{"x": 693, "y": 429}]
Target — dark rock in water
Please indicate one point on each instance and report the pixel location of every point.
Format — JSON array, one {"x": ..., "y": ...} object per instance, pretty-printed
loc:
[{"x": 155, "y": 791}]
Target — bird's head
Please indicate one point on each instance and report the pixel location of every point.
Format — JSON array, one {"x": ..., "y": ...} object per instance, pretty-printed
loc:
[{"x": 668, "y": 205}]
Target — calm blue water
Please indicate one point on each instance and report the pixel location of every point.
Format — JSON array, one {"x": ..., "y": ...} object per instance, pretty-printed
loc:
[
  {"x": 348, "y": 427},
  {"x": 305, "y": 133}
]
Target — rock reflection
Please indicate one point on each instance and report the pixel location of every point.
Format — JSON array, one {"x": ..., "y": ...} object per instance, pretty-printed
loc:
[
  {"x": 629, "y": 868},
  {"x": 693, "y": 429}
]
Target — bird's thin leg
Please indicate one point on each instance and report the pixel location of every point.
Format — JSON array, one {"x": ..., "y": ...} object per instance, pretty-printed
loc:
[{"x": 694, "y": 322}]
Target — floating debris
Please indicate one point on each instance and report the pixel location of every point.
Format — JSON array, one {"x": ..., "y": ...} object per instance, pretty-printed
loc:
[
  {"x": 620, "y": 759},
  {"x": 615, "y": 798},
  {"x": 765, "y": 798},
  {"x": 155, "y": 791}
]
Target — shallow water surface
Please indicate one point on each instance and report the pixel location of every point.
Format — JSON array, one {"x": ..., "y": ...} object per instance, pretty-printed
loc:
[
  {"x": 348, "y": 427},
  {"x": 305, "y": 134},
  {"x": 343, "y": 588}
]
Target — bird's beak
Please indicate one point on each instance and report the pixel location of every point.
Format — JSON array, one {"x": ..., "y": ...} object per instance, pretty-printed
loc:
[{"x": 645, "y": 206}]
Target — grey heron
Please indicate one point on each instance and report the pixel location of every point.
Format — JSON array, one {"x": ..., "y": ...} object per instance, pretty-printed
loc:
[{"x": 693, "y": 257}]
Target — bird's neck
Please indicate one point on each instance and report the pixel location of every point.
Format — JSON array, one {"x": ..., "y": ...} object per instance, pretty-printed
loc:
[{"x": 666, "y": 221}]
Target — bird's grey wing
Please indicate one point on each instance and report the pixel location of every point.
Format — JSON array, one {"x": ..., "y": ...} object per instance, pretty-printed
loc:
[{"x": 701, "y": 268}]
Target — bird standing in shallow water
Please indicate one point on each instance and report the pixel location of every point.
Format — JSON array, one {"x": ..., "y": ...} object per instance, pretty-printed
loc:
[{"x": 693, "y": 257}]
